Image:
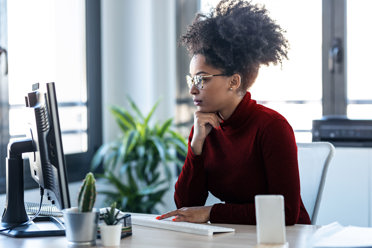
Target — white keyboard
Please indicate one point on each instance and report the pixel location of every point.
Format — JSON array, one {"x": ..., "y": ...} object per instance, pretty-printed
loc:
[{"x": 150, "y": 220}]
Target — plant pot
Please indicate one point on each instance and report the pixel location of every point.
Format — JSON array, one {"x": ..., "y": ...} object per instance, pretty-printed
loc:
[
  {"x": 81, "y": 227},
  {"x": 110, "y": 234}
]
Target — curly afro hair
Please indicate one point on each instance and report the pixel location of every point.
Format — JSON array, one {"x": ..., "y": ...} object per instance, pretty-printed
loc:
[{"x": 237, "y": 37}]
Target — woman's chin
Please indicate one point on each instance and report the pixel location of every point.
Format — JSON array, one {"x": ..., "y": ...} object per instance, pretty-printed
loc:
[{"x": 205, "y": 109}]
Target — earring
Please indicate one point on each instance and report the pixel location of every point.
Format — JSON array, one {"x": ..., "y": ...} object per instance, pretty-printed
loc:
[{"x": 230, "y": 88}]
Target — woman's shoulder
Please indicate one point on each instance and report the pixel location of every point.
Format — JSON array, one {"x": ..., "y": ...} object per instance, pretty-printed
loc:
[{"x": 266, "y": 113}]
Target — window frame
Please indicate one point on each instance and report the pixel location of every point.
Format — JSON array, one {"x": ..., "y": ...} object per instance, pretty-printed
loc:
[
  {"x": 77, "y": 164},
  {"x": 4, "y": 108},
  {"x": 334, "y": 100}
]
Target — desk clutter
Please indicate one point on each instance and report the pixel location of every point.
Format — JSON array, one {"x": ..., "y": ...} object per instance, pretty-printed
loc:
[
  {"x": 52, "y": 210},
  {"x": 126, "y": 219}
]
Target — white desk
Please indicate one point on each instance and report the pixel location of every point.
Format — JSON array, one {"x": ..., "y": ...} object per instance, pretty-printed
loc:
[{"x": 244, "y": 236}]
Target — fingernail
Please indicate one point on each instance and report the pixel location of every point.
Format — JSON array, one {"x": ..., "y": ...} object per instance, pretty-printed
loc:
[
  {"x": 158, "y": 217},
  {"x": 174, "y": 219}
]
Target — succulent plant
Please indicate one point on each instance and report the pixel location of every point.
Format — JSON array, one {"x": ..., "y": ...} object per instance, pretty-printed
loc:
[
  {"x": 110, "y": 217},
  {"x": 87, "y": 194}
]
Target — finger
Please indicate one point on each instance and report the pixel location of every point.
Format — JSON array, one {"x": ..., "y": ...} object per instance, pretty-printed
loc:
[
  {"x": 210, "y": 119},
  {"x": 219, "y": 118},
  {"x": 167, "y": 215},
  {"x": 179, "y": 218}
]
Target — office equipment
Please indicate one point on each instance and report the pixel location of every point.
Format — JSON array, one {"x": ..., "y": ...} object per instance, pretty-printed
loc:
[
  {"x": 270, "y": 219},
  {"x": 46, "y": 209},
  {"x": 343, "y": 132},
  {"x": 47, "y": 165},
  {"x": 200, "y": 229},
  {"x": 313, "y": 162}
]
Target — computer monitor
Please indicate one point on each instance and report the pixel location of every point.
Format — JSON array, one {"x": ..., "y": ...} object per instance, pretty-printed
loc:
[
  {"x": 47, "y": 164},
  {"x": 44, "y": 149}
]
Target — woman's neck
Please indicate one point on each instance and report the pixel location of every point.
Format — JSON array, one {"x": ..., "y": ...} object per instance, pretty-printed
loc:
[{"x": 229, "y": 110}]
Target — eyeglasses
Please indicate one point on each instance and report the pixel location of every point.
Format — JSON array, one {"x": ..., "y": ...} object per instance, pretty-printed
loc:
[{"x": 198, "y": 80}]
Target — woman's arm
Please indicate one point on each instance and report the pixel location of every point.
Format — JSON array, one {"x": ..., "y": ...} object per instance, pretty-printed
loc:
[{"x": 191, "y": 186}]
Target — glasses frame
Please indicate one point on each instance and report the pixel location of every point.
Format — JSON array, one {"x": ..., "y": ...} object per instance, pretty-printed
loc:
[{"x": 198, "y": 80}]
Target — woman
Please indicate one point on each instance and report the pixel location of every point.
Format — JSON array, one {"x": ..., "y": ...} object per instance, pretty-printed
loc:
[{"x": 237, "y": 148}]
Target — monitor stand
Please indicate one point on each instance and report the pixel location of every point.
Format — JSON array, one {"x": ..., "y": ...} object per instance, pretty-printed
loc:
[{"x": 14, "y": 211}]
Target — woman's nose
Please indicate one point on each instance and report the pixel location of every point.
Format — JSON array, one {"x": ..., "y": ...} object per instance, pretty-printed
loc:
[{"x": 193, "y": 90}]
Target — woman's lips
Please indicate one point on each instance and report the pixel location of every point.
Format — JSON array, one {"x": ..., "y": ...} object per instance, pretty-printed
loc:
[{"x": 197, "y": 102}]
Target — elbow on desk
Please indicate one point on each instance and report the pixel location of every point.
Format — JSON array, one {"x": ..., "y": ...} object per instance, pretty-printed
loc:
[
  {"x": 291, "y": 217},
  {"x": 290, "y": 221}
]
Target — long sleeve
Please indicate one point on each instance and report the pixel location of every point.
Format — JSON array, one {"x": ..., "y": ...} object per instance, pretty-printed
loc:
[{"x": 191, "y": 188}]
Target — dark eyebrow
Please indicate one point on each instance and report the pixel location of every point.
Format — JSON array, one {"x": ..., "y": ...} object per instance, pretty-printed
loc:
[{"x": 202, "y": 72}]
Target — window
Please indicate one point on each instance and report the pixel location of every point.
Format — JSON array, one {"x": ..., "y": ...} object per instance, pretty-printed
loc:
[
  {"x": 55, "y": 41},
  {"x": 54, "y": 52},
  {"x": 359, "y": 77}
]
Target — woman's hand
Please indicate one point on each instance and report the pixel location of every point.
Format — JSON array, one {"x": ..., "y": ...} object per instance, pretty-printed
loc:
[
  {"x": 203, "y": 124},
  {"x": 189, "y": 214}
]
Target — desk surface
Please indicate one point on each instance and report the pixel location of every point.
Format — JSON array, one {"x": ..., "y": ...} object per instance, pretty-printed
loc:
[{"x": 244, "y": 236}]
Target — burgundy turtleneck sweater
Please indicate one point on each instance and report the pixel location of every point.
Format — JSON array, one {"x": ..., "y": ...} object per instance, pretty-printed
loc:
[{"x": 253, "y": 152}]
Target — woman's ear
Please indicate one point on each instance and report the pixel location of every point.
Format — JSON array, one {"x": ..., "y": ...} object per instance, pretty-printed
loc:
[{"x": 235, "y": 82}]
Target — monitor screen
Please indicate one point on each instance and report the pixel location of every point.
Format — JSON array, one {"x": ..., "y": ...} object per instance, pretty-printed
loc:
[{"x": 47, "y": 162}]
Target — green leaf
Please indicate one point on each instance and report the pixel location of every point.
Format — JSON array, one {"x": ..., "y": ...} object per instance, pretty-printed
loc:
[
  {"x": 132, "y": 183},
  {"x": 122, "y": 188},
  {"x": 148, "y": 117},
  {"x": 178, "y": 144},
  {"x": 99, "y": 156},
  {"x": 160, "y": 147},
  {"x": 128, "y": 143},
  {"x": 164, "y": 128},
  {"x": 123, "y": 118},
  {"x": 135, "y": 108},
  {"x": 179, "y": 137}
]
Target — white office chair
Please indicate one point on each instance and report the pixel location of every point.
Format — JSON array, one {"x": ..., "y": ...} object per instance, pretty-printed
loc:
[{"x": 313, "y": 161}]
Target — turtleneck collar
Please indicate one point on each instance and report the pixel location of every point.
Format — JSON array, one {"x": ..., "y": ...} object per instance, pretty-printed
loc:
[{"x": 240, "y": 114}]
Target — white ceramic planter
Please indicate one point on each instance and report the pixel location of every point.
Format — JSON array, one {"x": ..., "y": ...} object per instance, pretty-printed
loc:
[{"x": 110, "y": 234}]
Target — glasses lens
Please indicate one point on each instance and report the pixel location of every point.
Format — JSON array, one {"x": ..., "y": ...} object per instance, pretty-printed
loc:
[
  {"x": 189, "y": 81},
  {"x": 196, "y": 80}
]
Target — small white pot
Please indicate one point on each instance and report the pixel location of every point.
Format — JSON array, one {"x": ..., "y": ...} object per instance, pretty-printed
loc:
[{"x": 110, "y": 234}]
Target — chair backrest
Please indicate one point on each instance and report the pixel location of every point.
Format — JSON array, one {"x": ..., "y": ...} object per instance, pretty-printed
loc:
[{"x": 313, "y": 161}]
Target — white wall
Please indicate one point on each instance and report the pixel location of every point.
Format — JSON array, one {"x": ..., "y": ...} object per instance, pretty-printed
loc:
[{"x": 138, "y": 57}]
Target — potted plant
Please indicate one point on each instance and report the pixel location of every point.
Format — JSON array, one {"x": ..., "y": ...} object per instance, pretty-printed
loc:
[
  {"x": 137, "y": 165},
  {"x": 110, "y": 230},
  {"x": 81, "y": 222}
]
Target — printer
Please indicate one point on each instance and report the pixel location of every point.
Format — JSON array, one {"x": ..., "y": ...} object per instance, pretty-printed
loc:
[{"x": 343, "y": 132}]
